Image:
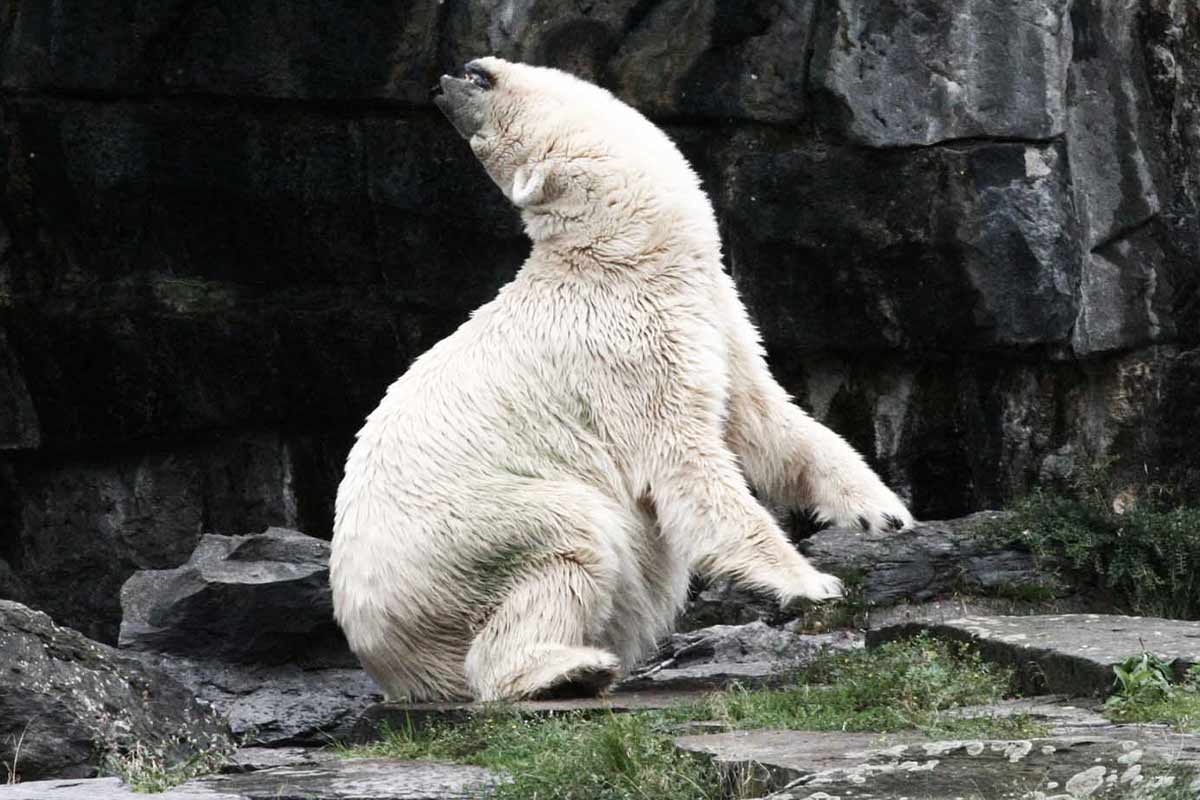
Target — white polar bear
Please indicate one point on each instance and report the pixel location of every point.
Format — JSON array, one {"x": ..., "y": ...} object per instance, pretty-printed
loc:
[{"x": 521, "y": 515}]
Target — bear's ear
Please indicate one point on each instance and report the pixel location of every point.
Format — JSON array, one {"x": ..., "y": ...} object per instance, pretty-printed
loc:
[{"x": 530, "y": 185}]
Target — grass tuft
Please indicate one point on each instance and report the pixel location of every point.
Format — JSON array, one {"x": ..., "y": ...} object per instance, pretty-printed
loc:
[{"x": 151, "y": 769}]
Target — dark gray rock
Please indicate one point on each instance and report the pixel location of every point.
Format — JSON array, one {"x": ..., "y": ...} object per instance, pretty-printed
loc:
[
  {"x": 19, "y": 429},
  {"x": 676, "y": 59},
  {"x": 306, "y": 702},
  {"x": 817, "y": 766},
  {"x": 247, "y": 625},
  {"x": 930, "y": 560},
  {"x": 78, "y": 530},
  {"x": 916, "y": 73},
  {"x": 957, "y": 248},
  {"x": 69, "y": 701},
  {"x": 382, "y": 51},
  {"x": 713, "y": 59},
  {"x": 908, "y": 576},
  {"x": 327, "y": 779},
  {"x": 11, "y": 587},
  {"x": 1126, "y": 291},
  {"x": 259, "y": 598},
  {"x": 1063, "y": 653},
  {"x": 721, "y": 656}
]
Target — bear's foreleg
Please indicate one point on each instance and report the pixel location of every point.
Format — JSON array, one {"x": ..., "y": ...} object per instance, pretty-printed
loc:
[
  {"x": 703, "y": 502},
  {"x": 798, "y": 463}
]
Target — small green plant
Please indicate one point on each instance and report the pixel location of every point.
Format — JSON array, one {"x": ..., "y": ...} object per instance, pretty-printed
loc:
[
  {"x": 1145, "y": 692},
  {"x": 1139, "y": 547}
]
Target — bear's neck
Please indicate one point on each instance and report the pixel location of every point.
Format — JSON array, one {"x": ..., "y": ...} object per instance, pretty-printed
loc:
[{"x": 665, "y": 238}]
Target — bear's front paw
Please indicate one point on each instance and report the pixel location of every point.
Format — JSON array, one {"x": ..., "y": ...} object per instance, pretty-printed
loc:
[
  {"x": 815, "y": 586},
  {"x": 868, "y": 509}
]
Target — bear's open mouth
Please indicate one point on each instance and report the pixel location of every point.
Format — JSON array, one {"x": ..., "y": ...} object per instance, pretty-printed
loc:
[{"x": 461, "y": 100}]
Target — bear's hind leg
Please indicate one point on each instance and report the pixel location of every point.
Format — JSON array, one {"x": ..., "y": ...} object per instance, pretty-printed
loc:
[{"x": 535, "y": 645}]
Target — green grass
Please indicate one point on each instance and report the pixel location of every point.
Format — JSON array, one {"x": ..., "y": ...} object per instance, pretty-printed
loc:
[{"x": 899, "y": 686}]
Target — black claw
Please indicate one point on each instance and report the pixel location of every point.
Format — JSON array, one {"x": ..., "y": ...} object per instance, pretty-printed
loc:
[
  {"x": 894, "y": 523},
  {"x": 865, "y": 524}
]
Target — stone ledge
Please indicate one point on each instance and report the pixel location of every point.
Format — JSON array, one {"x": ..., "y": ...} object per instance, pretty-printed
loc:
[{"x": 1062, "y": 653}]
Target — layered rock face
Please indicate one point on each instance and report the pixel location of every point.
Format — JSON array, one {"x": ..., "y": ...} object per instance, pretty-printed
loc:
[{"x": 968, "y": 230}]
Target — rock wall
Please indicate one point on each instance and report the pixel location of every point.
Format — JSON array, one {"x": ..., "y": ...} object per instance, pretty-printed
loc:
[{"x": 967, "y": 228}]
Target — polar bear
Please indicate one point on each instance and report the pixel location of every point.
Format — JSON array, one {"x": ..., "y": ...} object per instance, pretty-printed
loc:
[{"x": 520, "y": 516}]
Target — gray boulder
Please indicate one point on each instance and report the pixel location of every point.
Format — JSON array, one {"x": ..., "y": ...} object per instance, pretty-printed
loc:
[
  {"x": 274, "y": 704},
  {"x": 247, "y": 625},
  {"x": 66, "y": 702},
  {"x": 261, "y": 598}
]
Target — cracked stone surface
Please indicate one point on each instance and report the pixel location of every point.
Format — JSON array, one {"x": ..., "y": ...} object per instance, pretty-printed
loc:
[
  {"x": 818, "y": 766},
  {"x": 1067, "y": 653},
  {"x": 326, "y": 779}
]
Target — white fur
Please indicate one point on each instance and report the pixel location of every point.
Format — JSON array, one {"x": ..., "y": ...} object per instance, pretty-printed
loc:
[{"x": 526, "y": 505}]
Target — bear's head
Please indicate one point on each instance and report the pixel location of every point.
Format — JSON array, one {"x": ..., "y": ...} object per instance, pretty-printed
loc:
[{"x": 578, "y": 162}]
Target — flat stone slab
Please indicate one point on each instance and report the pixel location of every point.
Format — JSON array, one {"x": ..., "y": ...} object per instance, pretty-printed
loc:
[
  {"x": 1062, "y": 653},
  {"x": 101, "y": 789},
  {"x": 420, "y": 716},
  {"x": 333, "y": 779},
  {"x": 870, "y": 766},
  {"x": 1062, "y": 715}
]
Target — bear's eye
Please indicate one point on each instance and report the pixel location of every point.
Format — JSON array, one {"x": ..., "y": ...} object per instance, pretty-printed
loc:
[{"x": 478, "y": 77}]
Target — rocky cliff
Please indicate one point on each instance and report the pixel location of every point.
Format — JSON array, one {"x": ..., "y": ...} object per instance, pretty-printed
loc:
[{"x": 968, "y": 230}]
